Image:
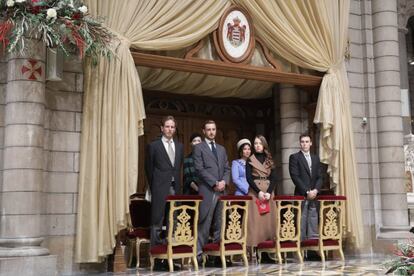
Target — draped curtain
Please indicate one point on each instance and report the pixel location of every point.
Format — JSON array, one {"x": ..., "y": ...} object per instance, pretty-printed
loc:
[
  {"x": 313, "y": 34},
  {"x": 113, "y": 109},
  {"x": 206, "y": 85}
]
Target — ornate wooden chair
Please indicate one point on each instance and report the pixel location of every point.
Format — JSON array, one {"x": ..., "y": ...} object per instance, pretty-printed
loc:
[
  {"x": 139, "y": 233},
  {"x": 288, "y": 221},
  {"x": 330, "y": 226},
  {"x": 233, "y": 234},
  {"x": 182, "y": 231}
]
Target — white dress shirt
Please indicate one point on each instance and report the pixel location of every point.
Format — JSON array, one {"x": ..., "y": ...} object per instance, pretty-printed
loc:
[
  {"x": 208, "y": 141},
  {"x": 165, "y": 141}
]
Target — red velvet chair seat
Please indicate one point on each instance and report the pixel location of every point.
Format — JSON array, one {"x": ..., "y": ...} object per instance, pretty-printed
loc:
[
  {"x": 331, "y": 197},
  {"x": 272, "y": 244},
  {"x": 216, "y": 247},
  {"x": 142, "y": 233},
  {"x": 314, "y": 242},
  {"x": 288, "y": 197},
  {"x": 162, "y": 249}
]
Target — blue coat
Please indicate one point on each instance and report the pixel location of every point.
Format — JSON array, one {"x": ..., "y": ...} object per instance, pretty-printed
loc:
[{"x": 238, "y": 173}]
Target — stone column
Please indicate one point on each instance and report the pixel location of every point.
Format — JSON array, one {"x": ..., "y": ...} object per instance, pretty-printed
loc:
[
  {"x": 22, "y": 225},
  {"x": 389, "y": 119},
  {"x": 290, "y": 129},
  {"x": 405, "y": 97}
]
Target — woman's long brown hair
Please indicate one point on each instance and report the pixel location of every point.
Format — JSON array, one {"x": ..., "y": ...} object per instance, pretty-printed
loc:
[{"x": 269, "y": 158}]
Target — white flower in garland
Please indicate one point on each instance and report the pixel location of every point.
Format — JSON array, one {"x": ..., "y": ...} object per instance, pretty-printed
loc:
[
  {"x": 83, "y": 9},
  {"x": 20, "y": 1},
  {"x": 51, "y": 13},
  {"x": 10, "y": 3}
]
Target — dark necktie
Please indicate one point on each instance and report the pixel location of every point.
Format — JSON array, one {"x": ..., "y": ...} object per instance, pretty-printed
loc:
[{"x": 213, "y": 149}]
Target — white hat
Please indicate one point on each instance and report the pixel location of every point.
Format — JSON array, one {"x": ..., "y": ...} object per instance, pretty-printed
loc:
[{"x": 242, "y": 142}]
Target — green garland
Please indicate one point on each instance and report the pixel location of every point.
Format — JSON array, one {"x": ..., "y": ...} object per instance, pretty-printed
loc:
[
  {"x": 403, "y": 263},
  {"x": 63, "y": 24}
]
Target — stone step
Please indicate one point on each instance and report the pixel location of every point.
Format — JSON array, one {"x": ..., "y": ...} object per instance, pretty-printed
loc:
[{"x": 29, "y": 266}]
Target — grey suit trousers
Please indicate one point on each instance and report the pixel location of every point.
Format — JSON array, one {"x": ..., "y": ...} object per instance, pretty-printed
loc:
[
  {"x": 309, "y": 223},
  {"x": 213, "y": 215}
]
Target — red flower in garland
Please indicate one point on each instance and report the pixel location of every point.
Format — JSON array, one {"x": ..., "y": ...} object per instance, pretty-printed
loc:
[
  {"x": 77, "y": 16},
  {"x": 36, "y": 8},
  {"x": 5, "y": 28}
]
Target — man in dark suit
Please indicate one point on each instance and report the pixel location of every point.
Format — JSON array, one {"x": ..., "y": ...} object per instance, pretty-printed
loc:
[
  {"x": 304, "y": 169},
  {"x": 212, "y": 167},
  {"x": 163, "y": 160}
]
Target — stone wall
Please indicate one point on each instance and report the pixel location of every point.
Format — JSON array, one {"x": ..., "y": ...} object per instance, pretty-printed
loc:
[
  {"x": 360, "y": 69},
  {"x": 3, "y": 84},
  {"x": 62, "y": 146}
]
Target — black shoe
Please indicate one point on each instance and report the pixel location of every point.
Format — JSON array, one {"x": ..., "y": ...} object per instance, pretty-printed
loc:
[
  {"x": 218, "y": 263},
  {"x": 312, "y": 256},
  {"x": 159, "y": 265},
  {"x": 266, "y": 259},
  {"x": 162, "y": 265},
  {"x": 210, "y": 261}
]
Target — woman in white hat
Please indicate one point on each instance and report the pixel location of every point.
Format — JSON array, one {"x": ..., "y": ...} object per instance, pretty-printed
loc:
[{"x": 238, "y": 167}]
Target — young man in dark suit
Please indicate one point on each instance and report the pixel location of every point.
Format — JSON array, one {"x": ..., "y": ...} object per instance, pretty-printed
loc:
[
  {"x": 212, "y": 167},
  {"x": 163, "y": 160},
  {"x": 304, "y": 169}
]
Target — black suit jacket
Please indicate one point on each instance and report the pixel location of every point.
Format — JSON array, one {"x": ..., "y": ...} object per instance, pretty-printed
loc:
[
  {"x": 159, "y": 172},
  {"x": 301, "y": 176}
]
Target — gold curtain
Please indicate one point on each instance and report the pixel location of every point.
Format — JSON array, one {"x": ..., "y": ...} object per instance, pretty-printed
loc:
[
  {"x": 313, "y": 34},
  {"x": 113, "y": 110}
]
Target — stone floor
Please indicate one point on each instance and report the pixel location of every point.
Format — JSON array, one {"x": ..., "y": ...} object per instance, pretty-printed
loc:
[{"x": 352, "y": 266}]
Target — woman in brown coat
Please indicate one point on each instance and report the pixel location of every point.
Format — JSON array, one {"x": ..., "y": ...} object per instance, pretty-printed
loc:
[{"x": 261, "y": 176}]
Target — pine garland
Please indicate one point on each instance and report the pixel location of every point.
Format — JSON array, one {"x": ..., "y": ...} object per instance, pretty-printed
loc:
[
  {"x": 403, "y": 263},
  {"x": 63, "y": 24}
]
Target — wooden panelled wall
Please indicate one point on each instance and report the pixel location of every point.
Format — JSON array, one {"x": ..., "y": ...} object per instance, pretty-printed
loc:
[{"x": 235, "y": 119}]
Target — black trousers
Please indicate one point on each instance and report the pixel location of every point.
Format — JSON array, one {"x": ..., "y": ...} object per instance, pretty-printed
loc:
[{"x": 156, "y": 226}]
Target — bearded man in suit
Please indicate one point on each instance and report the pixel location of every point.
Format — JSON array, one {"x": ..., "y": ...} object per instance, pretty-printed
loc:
[
  {"x": 212, "y": 167},
  {"x": 163, "y": 160}
]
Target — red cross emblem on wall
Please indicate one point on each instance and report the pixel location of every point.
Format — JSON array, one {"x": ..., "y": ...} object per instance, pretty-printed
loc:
[{"x": 32, "y": 69}]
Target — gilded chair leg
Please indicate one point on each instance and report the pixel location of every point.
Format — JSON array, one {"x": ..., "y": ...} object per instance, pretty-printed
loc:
[
  {"x": 259, "y": 256},
  {"x": 137, "y": 248},
  {"x": 322, "y": 255},
  {"x": 204, "y": 260},
  {"x": 341, "y": 253},
  {"x": 223, "y": 261},
  {"x": 131, "y": 244},
  {"x": 171, "y": 265},
  {"x": 152, "y": 263},
  {"x": 195, "y": 263},
  {"x": 299, "y": 257},
  {"x": 246, "y": 262},
  {"x": 279, "y": 256}
]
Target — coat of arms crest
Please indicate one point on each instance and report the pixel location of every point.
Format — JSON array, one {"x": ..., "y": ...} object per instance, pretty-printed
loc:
[
  {"x": 235, "y": 36},
  {"x": 236, "y": 32}
]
